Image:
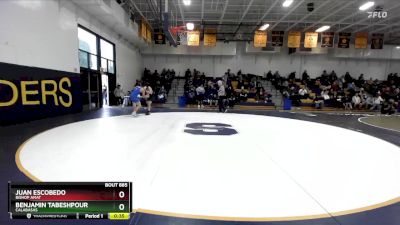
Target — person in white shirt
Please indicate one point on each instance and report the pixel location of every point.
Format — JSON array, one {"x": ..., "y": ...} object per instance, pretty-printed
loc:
[
  {"x": 119, "y": 94},
  {"x": 303, "y": 92},
  {"x": 221, "y": 96},
  {"x": 356, "y": 100},
  {"x": 376, "y": 102},
  {"x": 200, "y": 91}
]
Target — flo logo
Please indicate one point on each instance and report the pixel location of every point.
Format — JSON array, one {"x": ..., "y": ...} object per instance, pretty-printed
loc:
[
  {"x": 220, "y": 129},
  {"x": 375, "y": 14},
  {"x": 378, "y": 13}
]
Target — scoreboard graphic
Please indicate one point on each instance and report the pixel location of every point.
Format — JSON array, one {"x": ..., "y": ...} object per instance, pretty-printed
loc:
[{"x": 72, "y": 200}]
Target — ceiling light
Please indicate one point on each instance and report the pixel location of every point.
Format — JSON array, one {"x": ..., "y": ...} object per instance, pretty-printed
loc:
[
  {"x": 189, "y": 26},
  {"x": 186, "y": 2},
  {"x": 366, "y": 6},
  {"x": 287, "y": 3},
  {"x": 264, "y": 27},
  {"x": 398, "y": 47},
  {"x": 323, "y": 28}
]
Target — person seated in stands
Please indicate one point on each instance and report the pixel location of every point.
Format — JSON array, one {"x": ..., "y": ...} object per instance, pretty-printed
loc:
[
  {"x": 333, "y": 77},
  {"x": 211, "y": 93},
  {"x": 376, "y": 102},
  {"x": 188, "y": 73},
  {"x": 252, "y": 92},
  {"x": 360, "y": 80},
  {"x": 261, "y": 94},
  {"x": 161, "y": 95},
  {"x": 230, "y": 96},
  {"x": 292, "y": 76},
  {"x": 348, "y": 78},
  {"x": 200, "y": 91},
  {"x": 335, "y": 86},
  {"x": 356, "y": 100},
  {"x": 305, "y": 77},
  {"x": 318, "y": 102},
  {"x": 303, "y": 92},
  {"x": 285, "y": 93},
  {"x": 269, "y": 75},
  {"x": 190, "y": 95},
  {"x": 243, "y": 94},
  {"x": 389, "y": 107},
  {"x": 347, "y": 102},
  {"x": 324, "y": 74}
]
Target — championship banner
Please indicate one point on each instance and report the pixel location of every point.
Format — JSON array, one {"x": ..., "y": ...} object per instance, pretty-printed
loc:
[
  {"x": 143, "y": 30},
  {"x": 193, "y": 38},
  {"x": 361, "y": 40},
  {"x": 344, "y": 40},
  {"x": 29, "y": 93},
  {"x": 310, "y": 40},
  {"x": 377, "y": 41},
  {"x": 148, "y": 35},
  {"x": 277, "y": 38},
  {"x": 260, "y": 39},
  {"x": 327, "y": 39},
  {"x": 294, "y": 39},
  {"x": 159, "y": 38},
  {"x": 210, "y": 37},
  {"x": 181, "y": 38}
]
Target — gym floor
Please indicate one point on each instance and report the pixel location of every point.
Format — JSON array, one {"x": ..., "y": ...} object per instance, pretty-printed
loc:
[{"x": 357, "y": 184}]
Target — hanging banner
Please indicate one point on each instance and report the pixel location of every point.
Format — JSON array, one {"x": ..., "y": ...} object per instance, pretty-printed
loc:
[
  {"x": 344, "y": 40},
  {"x": 277, "y": 38},
  {"x": 143, "y": 30},
  {"x": 148, "y": 35},
  {"x": 193, "y": 38},
  {"x": 181, "y": 38},
  {"x": 361, "y": 40},
  {"x": 260, "y": 39},
  {"x": 327, "y": 39},
  {"x": 210, "y": 37},
  {"x": 377, "y": 41},
  {"x": 159, "y": 37},
  {"x": 294, "y": 39},
  {"x": 310, "y": 40}
]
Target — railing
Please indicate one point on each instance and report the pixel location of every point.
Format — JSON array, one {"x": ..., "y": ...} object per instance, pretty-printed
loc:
[{"x": 89, "y": 60}]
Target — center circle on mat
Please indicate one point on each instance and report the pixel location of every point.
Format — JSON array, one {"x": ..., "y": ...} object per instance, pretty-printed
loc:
[{"x": 223, "y": 165}]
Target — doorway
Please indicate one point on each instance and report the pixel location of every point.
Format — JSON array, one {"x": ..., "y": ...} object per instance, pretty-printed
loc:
[{"x": 105, "y": 90}]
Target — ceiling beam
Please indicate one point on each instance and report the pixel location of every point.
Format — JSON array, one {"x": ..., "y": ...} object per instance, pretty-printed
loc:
[
  {"x": 287, "y": 14},
  {"x": 329, "y": 15},
  {"x": 385, "y": 26},
  {"x": 244, "y": 15},
  {"x": 366, "y": 19},
  {"x": 394, "y": 30},
  {"x": 266, "y": 13},
  {"x": 181, "y": 12},
  {"x": 306, "y": 16},
  {"x": 202, "y": 9},
  {"x": 223, "y": 13},
  {"x": 137, "y": 9}
]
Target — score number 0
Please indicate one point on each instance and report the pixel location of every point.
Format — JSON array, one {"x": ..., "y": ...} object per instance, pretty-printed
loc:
[{"x": 121, "y": 194}]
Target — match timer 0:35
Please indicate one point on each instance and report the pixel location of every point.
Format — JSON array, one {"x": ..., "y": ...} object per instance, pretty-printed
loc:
[{"x": 70, "y": 200}]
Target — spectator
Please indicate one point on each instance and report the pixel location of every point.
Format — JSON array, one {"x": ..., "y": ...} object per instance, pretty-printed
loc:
[
  {"x": 119, "y": 94},
  {"x": 221, "y": 96},
  {"x": 376, "y": 102},
  {"x": 389, "y": 107},
  {"x": 200, "y": 91},
  {"x": 356, "y": 100}
]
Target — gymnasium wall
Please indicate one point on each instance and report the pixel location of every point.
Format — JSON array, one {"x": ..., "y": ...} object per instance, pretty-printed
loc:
[
  {"x": 259, "y": 63},
  {"x": 39, "y": 58},
  {"x": 44, "y": 34}
]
